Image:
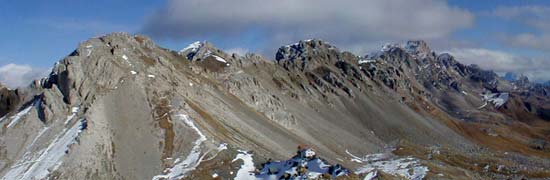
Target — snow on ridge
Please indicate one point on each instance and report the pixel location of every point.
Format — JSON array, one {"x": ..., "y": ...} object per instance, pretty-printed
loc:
[
  {"x": 193, "y": 46},
  {"x": 181, "y": 168},
  {"x": 407, "y": 167},
  {"x": 17, "y": 117}
]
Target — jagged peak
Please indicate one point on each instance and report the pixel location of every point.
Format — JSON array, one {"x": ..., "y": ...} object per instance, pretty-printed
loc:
[
  {"x": 193, "y": 46},
  {"x": 308, "y": 42},
  {"x": 302, "y": 47},
  {"x": 417, "y": 47},
  {"x": 200, "y": 50}
]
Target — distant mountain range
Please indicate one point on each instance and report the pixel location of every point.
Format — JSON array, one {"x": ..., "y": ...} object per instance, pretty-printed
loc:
[{"x": 121, "y": 107}]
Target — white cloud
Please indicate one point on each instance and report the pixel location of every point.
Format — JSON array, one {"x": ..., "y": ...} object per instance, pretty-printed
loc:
[
  {"x": 529, "y": 40},
  {"x": 535, "y": 17},
  {"x": 537, "y": 69},
  {"x": 532, "y": 15},
  {"x": 346, "y": 23},
  {"x": 14, "y": 75}
]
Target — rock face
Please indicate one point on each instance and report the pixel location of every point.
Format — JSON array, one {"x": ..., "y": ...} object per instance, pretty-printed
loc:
[
  {"x": 9, "y": 99},
  {"x": 120, "y": 107}
]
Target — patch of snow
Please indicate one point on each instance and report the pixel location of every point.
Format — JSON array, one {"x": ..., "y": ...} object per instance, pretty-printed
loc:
[
  {"x": 17, "y": 117},
  {"x": 245, "y": 172},
  {"x": 133, "y": 72},
  {"x": 222, "y": 146},
  {"x": 124, "y": 57},
  {"x": 74, "y": 110},
  {"x": 49, "y": 159},
  {"x": 407, "y": 167},
  {"x": 193, "y": 46},
  {"x": 181, "y": 168},
  {"x": 482, "y": 106},
  {"x": 371, "y": 175},
  {"x": 191, "y": 84},
  {"x": 498, "y": 99},
  {"x": 354, "y": 158},
  {"x": 215, "y": 175},
  {"x": 218, "y": 58},
  {"x": 89, "y": 49},
  {"x": 365, "y": 60},
  {"x": 151, "y": 76},
  {"x": 464, "y": 92}
]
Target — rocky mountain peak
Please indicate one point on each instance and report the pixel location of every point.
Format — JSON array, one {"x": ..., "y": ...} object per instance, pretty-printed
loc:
[
  {"x": 307, "y": 54},
  {"x": 302, "y": 48},
  {"x": 200, "y": 50},
  {"x": 417, "y": 47}
]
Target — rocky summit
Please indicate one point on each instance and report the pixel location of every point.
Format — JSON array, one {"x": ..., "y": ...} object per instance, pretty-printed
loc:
[{"x": 121, "y": 107}]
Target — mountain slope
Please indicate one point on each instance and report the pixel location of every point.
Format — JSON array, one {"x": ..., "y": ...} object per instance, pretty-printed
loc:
[{"x": 124, "y": 108}]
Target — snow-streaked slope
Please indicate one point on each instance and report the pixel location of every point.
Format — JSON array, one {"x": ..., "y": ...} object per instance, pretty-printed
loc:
[
  {"x": 181, "y": 168},
  {"x": 32, "y": 166}
]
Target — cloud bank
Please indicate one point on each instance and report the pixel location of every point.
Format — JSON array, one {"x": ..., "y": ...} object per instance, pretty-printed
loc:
[
  {"x": 14, "y": 75},
  {"x": 536, "y": 69},
  {"x": 537, "y": 18},
  {"x": 347, "y": 23}
]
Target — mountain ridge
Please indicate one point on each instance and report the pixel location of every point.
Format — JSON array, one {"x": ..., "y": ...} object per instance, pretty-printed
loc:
[{"x": 123, "y": 86}]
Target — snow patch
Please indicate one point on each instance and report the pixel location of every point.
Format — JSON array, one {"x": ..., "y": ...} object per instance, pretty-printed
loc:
[
  {"x": 221, "y": 147},
  {"x": 365, "y": 60},
  {"x": 245, "y": 172},
  {"x": 50, "y": 158},
  {"x": 218, "y": 58},
  {"x": 74, "y": 110},
  {"x": 124, "y": 57},
  {"x": 193, "y": 46},
  {"x": 181, "y": 168},
  {"x": 498, "y": 99},
  {"x": 17, "y": 117},
  {"x": 407, "y": 167},
  {"x": 151, "y": 76},
  {"x": 371, "y": 175}
]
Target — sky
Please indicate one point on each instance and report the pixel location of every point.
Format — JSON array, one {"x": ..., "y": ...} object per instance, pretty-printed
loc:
[{"x": 501, "y": 35}]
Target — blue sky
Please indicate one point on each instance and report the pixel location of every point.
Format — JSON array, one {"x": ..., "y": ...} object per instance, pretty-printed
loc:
[{"x": 502, "y": 35}]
